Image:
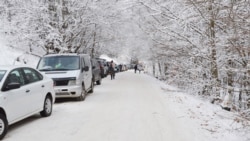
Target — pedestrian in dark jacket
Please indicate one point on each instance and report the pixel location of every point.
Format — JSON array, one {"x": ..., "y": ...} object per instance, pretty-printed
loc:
[
  {"x": 135, "y": 67},
  {"x": 112, "y": 69}
]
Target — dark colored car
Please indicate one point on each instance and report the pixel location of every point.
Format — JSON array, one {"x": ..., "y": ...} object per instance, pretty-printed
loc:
[
  {"x": 96, "y": 71},
  {"x": 103, "y": 67}
]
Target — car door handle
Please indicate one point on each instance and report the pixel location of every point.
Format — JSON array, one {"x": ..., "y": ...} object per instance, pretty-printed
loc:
[
  {"x": 42, "y": 86},
  {"x": 27, "y": 91}
]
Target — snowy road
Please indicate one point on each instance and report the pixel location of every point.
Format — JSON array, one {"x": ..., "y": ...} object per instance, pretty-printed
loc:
[{"x": 130, "y": 108}]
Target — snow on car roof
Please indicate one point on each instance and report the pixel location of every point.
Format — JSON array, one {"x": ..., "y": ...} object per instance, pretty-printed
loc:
[{"x": 9, "y": 67}]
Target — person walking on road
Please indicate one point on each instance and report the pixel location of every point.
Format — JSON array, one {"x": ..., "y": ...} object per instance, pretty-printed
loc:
[
  {"x": 135, "y": 67},
  {"x": 112, "y": 69}
]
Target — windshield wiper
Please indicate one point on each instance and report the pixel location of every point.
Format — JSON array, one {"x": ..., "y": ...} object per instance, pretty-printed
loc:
[
  {"x": 45, "y": 69},
  {"x": 62, "y": 69}
]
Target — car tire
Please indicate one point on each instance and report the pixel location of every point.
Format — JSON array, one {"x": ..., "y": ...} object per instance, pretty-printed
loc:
[
  {"x": 3, "y": 126},
  {"x": 98, "y": 82},
  {"x": 83, "y": 94},
  {"x": 47, "y": 107},
  {"x": 91, "y": 87}
]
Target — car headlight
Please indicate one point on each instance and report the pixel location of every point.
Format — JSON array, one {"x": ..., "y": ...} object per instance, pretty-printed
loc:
[{"x": 72, "y": 82}]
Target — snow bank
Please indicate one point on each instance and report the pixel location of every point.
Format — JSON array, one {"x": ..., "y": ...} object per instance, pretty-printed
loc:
[
  {"x": 8, "y": 55},
  {"x": 11, "y": 56}
]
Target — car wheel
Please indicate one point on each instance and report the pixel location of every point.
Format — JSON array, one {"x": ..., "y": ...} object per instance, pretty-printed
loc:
[
  {"x": 91, "y": 87},
  {"x": 83, "y": 94},
  {"x": 99, "y": 82},
  {"x": 3, "y": 126},
  {"x": 47, "y": 107}
]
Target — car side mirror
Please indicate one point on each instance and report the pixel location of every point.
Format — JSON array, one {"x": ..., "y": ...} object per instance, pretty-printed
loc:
[
  {"x": 11, "y": 86},
  {"x": 86, "y": 68}
]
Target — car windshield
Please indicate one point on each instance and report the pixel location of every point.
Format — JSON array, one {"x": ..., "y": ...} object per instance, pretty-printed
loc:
[
  {"x": 2, "y": 73},
  {"x": 59, "y": 63}
]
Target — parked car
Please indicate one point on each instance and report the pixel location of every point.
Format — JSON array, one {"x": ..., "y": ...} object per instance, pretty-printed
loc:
[
  {"x": 104, "y": 67},
  {"x": 96, "y": 71},
  {"x": 72, "y": 74},
  {"x": 24, "y": 92}
]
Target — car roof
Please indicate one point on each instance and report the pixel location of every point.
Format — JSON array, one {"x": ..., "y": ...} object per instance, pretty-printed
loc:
[
  {"x": 10, "y": 67},
  {"x": 64, "y": 54},
  {"x": 100, "y": 59}
]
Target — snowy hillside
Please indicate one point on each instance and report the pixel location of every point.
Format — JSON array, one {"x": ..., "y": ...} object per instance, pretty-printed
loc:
[{"x": 11, "y": 56}]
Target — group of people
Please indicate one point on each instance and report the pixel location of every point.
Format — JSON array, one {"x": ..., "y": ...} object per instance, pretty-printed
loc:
[{"x": 112, "y": 69}]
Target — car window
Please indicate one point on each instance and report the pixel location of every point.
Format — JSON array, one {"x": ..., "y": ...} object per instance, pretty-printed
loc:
[
  {"x": 73, "y": 63},
  {"x": 59, "y": 63},
  {"x": 15, "y": 77},
  {"x": 2, "y": 73},
  {"x": 32, "y": 75}
]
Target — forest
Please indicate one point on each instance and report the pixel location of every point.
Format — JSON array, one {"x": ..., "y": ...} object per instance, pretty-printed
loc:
[{"x": 200, "y": 46}]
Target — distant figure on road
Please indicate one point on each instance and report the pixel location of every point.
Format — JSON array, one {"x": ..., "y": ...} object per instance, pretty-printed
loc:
[
  {"x": 112, "y": 69},
  {"x": 135, "y": 67}
]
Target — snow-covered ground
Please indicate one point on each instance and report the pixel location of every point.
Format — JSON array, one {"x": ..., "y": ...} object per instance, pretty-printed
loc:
[
  {"x": 208, "y": 121},
  {"x": 11, "y": 56},
  {"x": 133, "y": 107}
]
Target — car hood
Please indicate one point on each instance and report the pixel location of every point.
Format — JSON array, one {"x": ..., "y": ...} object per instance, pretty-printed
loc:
[{"x": 61, "y": 74}]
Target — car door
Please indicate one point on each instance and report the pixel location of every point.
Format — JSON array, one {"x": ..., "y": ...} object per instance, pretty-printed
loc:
[
  {"x": 88, "y": 73},
  {"x": 15, "y": 99},
  {"x": 35, "y": 89},
  {"x": 83, "y": 74}
]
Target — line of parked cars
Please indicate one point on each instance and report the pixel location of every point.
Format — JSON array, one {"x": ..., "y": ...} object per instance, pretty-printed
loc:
[{"x": 26, "y": 91}]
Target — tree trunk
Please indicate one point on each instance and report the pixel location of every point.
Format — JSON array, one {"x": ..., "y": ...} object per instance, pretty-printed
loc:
[
  {"x": 228, "y": 100},
  {"x": 214, "y": 66},
  {"x": 93, "y": 46},
  {"x": 166, "y": 70},
  {"x": 153, "y": 68},
  {"x": 160, "y": 70}
]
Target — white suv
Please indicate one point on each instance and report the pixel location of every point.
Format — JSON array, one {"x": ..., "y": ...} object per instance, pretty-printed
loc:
[{"x": 72, "y": 74}]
